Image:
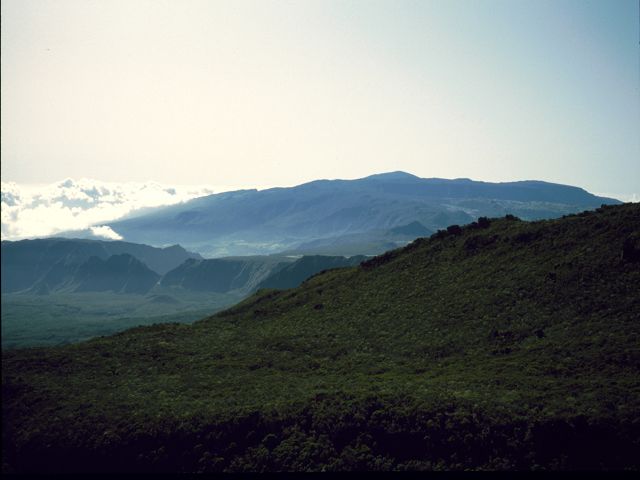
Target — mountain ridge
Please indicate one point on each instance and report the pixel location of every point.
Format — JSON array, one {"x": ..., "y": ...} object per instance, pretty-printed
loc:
[
  {"x": 25, "y": 261},
  {"x": 57, "y": 265},
  {"x": 279, "y": 219}
]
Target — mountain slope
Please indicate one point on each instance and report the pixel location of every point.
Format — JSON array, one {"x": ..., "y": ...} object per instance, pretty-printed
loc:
[
  {"x": 248, "y": 222},
  {"x": 247, "y": 274},
  {"x": 371, "y": 242},
  {"x": 503, "y": 345},
  {"x": 295, "y": 273},
  {"x": 26, "y": 262},
  {"x": 224, "y": 274},
  {"x": 118, "y": 273}
]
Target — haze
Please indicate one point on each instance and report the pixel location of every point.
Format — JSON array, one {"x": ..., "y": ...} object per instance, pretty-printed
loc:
[{"x": 278, "y": 93}]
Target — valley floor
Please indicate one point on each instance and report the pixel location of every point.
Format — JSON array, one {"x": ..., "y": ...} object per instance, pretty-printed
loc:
[{"x": 58, "y": 319}]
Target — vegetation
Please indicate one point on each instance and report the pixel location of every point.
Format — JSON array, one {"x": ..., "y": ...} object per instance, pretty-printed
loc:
[
  {"x": 61, "y": 318},
  {"x": 503, "y": 344}
]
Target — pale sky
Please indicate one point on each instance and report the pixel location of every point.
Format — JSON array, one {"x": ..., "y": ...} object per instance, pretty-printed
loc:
[{"x": 259, "y": 93}]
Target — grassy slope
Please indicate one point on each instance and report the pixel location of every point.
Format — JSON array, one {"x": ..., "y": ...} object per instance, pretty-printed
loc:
[{"x": 512, "y": 346}]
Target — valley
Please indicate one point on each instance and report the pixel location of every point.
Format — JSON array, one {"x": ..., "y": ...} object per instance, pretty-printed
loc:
[
  {"x": 59, "y": 318},
  {"x": 58, "y": 291}
]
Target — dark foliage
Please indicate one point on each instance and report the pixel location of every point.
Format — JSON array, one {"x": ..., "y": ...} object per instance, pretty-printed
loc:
[
  {"x": 484, "y": 222},
  {"x": 631, "y": 248},
  {"x": 454, "y": 229}
]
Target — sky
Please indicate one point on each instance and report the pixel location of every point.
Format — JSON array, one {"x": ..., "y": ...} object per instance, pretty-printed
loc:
[{"x": 275, "y": 93}]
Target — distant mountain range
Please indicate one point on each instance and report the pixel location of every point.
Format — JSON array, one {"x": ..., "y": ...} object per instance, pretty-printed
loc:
[
  {"x": 119, "y": 273},
  {"x": 224, "y": 274},
  {"x": 345, "y": 217},
  {"x": 57, "y": 265},
  {"x": 28, "y": 263}
]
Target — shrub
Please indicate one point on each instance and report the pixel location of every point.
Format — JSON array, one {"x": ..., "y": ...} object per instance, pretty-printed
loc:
[
  {"x": 631, "y": 249},
  {"x": 484, "y": 222},
  {"x": 454, "y": 229}
]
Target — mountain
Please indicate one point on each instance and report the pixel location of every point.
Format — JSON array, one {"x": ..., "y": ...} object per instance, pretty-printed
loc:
[
  {"x": 119, "y": 273},
  {"x": 371, "y": 242},
  {"x": 295, "y": 273},
  {"x": 223, "y": 274},
  {"x": 249, "y": 222},
  {"x": 413, "y": 229},
  {"x": 500, "y": 345},
  {"x": 26, "y": 262},
  {"x": 43, "y": 266},
  {"x": 247, "y": 274}
]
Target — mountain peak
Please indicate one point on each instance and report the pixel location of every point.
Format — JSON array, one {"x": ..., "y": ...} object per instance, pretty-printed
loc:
[{"x": 397, "y": 175}]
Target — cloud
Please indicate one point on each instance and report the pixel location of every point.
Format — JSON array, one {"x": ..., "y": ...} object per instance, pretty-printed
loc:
[
  {"x": 105, "y": 231},
  {"x": 43, "y": 210}
]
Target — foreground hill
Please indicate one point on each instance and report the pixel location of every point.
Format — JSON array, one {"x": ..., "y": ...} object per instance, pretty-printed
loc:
[
  {"x": 322, "y": 216},
  {"x": 501, "y": 345}
]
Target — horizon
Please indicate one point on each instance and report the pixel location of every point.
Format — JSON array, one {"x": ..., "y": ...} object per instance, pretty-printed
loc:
[{"x": 223, "y": 188}]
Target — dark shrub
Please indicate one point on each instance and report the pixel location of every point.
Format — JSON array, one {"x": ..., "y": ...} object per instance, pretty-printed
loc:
[
  {"x": 476, "y": 242},
  {"x": 484, "y": 222},
  {"x": 454, "y": 229},
  {"x": 526, "y": 237},
  {"x": 379, "y": 260},
  {"x": 631, "y": 249}
]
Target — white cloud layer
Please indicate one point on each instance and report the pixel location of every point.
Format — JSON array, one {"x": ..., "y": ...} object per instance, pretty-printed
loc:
[
  {"x": 43, "y": 210},
  {"x": 105, "y": 231}
]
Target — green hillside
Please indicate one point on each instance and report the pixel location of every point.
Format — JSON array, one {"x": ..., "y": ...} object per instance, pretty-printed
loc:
[{"x": 501, "y": 345}]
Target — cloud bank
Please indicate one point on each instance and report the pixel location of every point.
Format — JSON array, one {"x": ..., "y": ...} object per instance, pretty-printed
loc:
[{"x": 30, "y": 211}]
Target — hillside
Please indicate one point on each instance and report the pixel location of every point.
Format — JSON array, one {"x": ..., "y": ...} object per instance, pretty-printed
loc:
[
  {"x": 224, "y": 274},
  {"x": 295, "y": 273},
  {"x": 245, "y": 275},
  {"x": 250, "y": 222},
  {"x": 118, "y": 273},
  {"x": 501, "y": 345},
  {"x": 371, "y": 242}
]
